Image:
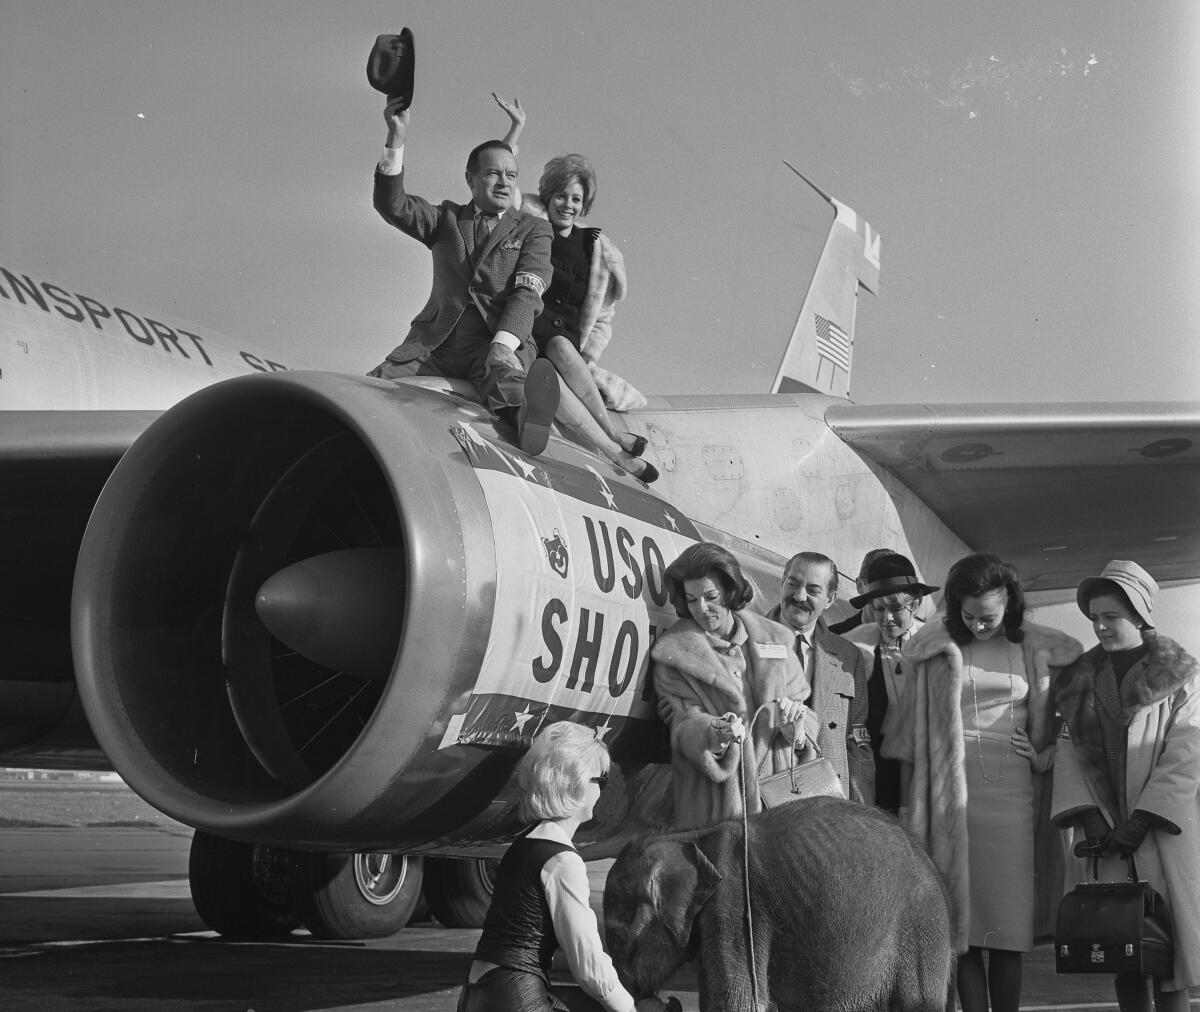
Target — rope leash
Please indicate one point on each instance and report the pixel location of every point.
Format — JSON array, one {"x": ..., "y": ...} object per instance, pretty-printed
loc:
[{"x": 746, "y": 860}]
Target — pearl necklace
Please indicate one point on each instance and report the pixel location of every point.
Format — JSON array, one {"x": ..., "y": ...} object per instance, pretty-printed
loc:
[{"x": 1012, "y": 716}]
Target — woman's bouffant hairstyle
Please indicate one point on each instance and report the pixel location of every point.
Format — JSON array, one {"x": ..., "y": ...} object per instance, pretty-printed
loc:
[
  {"x": 707, "y": 559},
  {"x": 563, "y": 170},
  {"x": 553, "y": 775},
  {"x": 977, "y": 575}
]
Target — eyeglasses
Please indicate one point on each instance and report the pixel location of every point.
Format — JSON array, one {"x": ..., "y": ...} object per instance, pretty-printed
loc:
[
  {"x": 893, "y": 609},
  {"x": 601, "y": 780}
]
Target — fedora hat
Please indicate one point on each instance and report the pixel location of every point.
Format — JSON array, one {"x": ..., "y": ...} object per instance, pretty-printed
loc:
[
  {"x": 390, "y": 66},
  {"x": 891, "y": 574},
  {"x": 1136, "y": 584}
]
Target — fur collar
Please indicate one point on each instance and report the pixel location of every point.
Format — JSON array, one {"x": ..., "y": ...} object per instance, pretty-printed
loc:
[
  {"x": 1058, "y": 648},
  {"x": 686, "y": 648},
  {"x": 1162, "y": 672}
]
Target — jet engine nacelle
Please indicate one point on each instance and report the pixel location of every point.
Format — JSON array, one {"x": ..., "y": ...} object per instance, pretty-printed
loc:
[{"x": 327, "y": 611}]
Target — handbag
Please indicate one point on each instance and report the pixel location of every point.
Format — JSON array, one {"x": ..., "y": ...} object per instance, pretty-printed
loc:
[
  {"x": 810, "y": 775},
  {"x": 1113, "y": 927}
]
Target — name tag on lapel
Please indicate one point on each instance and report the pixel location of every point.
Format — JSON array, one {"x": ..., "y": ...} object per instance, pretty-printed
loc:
[{"x": 777, "y": 650}]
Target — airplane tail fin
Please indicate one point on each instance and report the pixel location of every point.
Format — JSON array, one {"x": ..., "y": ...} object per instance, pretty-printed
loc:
[{"x": 818, "y": 356}]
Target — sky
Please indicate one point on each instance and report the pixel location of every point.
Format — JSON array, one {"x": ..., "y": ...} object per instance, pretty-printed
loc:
[{"x": 1033, "y": 168}]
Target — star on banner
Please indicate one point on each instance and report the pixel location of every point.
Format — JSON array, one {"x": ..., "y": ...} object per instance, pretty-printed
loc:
[
  {"x": 528, "y": 470},
  {"x": 466, "y": 434},
  {"x": 605, "y": 490},
  {"x": 521, "y": 719},
  {"x": 671, "y": 521}
]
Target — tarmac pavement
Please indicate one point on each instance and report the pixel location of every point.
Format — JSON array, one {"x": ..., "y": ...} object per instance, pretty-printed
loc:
[{"x": 95, "y": 915}]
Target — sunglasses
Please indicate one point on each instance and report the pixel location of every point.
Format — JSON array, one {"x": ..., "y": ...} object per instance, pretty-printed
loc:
[{"x": 601, "y": 780}]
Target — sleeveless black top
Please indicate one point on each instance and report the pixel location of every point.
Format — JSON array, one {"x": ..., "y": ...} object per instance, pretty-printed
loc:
[
  {"x": 571, "y": 260},
  {"x": 518, "y": 932}
]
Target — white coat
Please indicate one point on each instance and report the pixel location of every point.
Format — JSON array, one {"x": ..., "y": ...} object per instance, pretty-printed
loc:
[{"x": 1160, "y": 697}]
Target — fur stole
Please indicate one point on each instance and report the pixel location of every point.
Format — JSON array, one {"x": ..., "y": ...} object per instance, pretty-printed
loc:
[
  {"x": 696, "y": 683},
  {"x": 1165, "y": 669},
  {"x": 607, "y": 285},
  {"x": 930, "y": 737}
]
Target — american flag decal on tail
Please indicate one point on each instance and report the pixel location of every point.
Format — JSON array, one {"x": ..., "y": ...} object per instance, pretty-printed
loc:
[{"x": 833, "y": 343}]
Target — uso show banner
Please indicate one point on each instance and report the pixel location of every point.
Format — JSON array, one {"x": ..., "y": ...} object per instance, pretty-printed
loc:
[{"x": 579, "y": 599}]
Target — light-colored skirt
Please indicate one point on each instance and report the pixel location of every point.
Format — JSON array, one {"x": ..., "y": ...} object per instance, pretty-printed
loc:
[{"x": 999, "y": 843}]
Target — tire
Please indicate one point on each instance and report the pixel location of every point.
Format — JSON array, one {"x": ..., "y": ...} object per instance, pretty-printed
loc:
[
  {"x": 360, "y": 895},
  {"x": 241, "y": 890},
  {"x": 459, "y": 890}
]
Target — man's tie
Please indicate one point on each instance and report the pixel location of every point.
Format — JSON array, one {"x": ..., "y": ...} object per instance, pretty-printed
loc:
[
  {"x": 482, "y": 230},
  {"x": 802, "y": 651}
]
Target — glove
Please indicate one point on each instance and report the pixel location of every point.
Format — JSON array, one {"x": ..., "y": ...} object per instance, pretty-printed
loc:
[
  {"x": 729, "y": 727},
  {"x": 1127, "y": 836},
  {"x": 1096, "y": 829}
]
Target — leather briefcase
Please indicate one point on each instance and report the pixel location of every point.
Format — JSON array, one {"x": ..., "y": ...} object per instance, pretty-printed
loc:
[
  {"x": 1113, "y": 927},
  {"x": 810, "y": 775}
]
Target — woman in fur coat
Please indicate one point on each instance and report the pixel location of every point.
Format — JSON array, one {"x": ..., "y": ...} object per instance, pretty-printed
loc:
[
  {"x": 1128, "y": 771},
  {"x": 712, "y": 670},
  {"x": 575, "y": 325},
  {"x": 976, "y": 731}
]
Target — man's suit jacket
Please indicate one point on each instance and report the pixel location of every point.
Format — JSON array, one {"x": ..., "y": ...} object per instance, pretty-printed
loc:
[
  {"x": 839, "y": 699},
  {"x": 505, "y": 282}
]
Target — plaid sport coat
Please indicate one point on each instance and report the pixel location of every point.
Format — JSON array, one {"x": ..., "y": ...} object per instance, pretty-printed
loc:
[{"x": 505, "y": 282}]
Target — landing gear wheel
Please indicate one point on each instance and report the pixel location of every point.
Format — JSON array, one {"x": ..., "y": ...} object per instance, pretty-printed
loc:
[
  {"x": 362, "y": 895},
  {"x": 241, "y": 890},
  {"x": 459, "y": 891}
]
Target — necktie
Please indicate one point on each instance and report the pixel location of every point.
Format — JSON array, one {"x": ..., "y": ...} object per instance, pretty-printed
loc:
[
  {"x": 802, "y": 649},
  {"x": 482, "y": 231}
]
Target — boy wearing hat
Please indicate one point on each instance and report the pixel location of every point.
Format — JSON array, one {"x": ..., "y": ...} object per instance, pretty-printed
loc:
[{"x": 889, "y": 599}]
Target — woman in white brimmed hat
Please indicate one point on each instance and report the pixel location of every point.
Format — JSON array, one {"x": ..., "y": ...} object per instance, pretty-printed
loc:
[{"x": 1128, "y": 780}]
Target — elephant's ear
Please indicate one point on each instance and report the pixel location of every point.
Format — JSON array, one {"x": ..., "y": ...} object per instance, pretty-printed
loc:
[{"x": 680, "y": 884}]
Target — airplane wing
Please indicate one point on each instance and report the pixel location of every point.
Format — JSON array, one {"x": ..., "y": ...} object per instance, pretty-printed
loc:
[
  {"x": 1056, "y": 490},
  {"x": 52, "y": 467}
]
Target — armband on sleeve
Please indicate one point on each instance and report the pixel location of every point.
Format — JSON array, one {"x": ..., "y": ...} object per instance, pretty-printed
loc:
[{"x": 531, "y": 281}]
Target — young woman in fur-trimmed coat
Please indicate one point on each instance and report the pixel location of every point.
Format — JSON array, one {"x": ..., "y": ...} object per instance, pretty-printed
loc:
[
  {"x": 1128, "y": 771},
  {"x": 712, "y": 670},
  {"x": 588, "y": 279},
  {"x": 976, "y": 728}
]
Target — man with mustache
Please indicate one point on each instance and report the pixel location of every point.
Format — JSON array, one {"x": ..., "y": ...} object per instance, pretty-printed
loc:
[
  {"x": 491, "y": 264},
  {"x": 833, "y": 667}
]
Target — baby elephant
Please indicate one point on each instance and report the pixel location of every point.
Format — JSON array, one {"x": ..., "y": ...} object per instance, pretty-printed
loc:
[{"x": 847, "y": 910}]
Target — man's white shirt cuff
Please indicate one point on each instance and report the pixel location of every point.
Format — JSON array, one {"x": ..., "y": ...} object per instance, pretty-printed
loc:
[
  {"x": 392, "y": 161},
  {"x": 505, "y": 338}
]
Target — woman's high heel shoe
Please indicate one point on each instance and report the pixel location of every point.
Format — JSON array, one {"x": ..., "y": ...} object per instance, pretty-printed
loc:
[
  {"x": 638, "y": 447},
  {"x": 649, "y": 473},
  {"x": 643, "y": 470}
]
